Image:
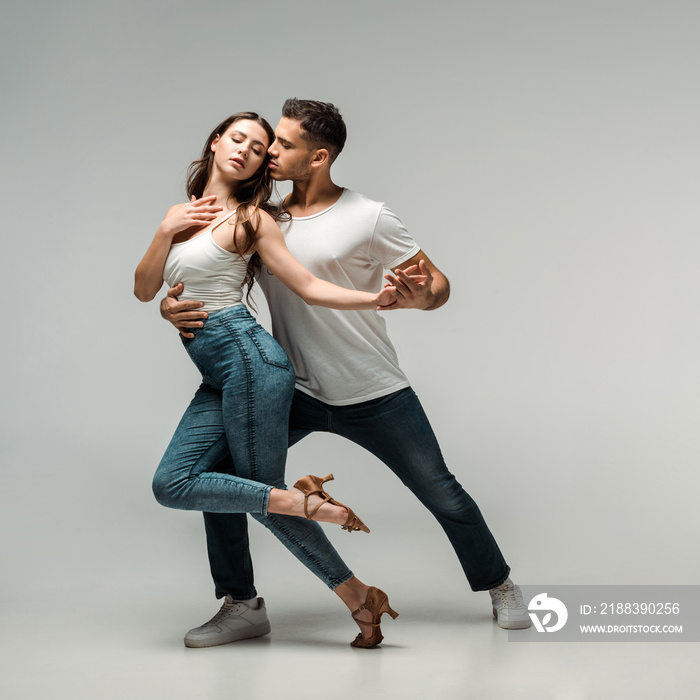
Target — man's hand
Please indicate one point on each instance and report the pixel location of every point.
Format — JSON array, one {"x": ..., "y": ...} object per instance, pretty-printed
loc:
[
  {"x": 182, "y": 314},
  {"x": 413, "y": 291}
]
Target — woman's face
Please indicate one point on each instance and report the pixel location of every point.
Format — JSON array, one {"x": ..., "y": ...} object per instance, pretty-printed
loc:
[{"x": 240, "y": 150}]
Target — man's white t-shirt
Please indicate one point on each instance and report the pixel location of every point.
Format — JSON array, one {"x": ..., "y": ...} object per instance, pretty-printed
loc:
[{"x": 341, "y": 357}]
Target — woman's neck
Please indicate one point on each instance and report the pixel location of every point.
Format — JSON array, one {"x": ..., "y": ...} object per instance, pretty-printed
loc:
[{"x": 225, "y": 194}]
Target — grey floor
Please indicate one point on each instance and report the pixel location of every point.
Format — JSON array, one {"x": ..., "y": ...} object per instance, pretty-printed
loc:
[
  {"x": 97, "y": 593},
  {"x": 117, "y": 648},
  {"x": 115, "y": 631}
]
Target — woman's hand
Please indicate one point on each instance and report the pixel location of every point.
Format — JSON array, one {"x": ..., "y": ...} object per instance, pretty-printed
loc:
[
  {"x": 193, "y": 214},
  {"x": 386, "y": 298}
]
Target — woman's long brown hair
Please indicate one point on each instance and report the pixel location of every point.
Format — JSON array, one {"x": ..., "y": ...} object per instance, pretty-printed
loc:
[{"x": 253, "y": 194}]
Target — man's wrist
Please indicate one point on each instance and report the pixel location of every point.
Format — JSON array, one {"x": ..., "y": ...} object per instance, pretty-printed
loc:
[
  {"x": 164, "y": 311},
  {"x": 435, "y": 299},
  {"x": 429, "y": 301}
]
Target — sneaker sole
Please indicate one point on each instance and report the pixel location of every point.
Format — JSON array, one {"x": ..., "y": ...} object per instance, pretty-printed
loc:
[
  {"x": 233, "y": 636},
  {"x": 514, "y": 625}
]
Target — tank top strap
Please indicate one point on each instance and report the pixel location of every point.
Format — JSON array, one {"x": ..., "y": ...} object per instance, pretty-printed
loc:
[{"x": 226, "y": 218}]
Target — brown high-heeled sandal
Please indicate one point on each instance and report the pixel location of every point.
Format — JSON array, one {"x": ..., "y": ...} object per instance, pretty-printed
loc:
[
  {"x": 310, "y": 485},
  {"x": 377, "y": 603}
]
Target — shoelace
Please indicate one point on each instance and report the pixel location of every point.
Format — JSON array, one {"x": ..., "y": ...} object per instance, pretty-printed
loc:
[
  {"x": 511, "y": 597},
  {"x": 226, "y": 609}
]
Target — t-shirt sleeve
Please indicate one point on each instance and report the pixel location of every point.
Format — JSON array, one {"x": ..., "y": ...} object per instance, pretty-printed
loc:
[{"x": 391, "y": 243}]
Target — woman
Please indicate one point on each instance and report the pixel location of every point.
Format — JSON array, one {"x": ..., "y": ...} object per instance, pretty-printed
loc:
[{"x": 214, "y": 244}]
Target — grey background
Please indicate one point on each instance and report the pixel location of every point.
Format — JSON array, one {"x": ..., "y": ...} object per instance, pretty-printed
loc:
[{"x": 544, "y": 154}]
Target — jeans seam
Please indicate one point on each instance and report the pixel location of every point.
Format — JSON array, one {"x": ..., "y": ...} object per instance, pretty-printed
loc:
[
  {"x": 250, "y": 405},
  {"x": 208, "y": 477},
  {"x": 266, "y": 500}
]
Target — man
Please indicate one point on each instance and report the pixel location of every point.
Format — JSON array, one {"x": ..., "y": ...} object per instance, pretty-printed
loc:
[{"x": 347, "y": 373}]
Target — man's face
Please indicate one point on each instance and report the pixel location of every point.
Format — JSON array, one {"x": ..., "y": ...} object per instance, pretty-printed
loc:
[{"x": 290, "y": 155}]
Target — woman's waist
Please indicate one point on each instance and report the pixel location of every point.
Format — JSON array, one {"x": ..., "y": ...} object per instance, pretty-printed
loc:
[
  {"x": 212, "y": 300},
  {"x": 237, "y": 314}
]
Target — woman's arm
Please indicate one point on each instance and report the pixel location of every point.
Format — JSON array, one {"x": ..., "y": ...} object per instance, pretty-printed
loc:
[
  {"x": 315, "y": 292},
  {"x": 193, "y": 214}
]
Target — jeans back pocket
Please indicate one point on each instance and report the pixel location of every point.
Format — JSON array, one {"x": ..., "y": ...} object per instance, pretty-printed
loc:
[{"x": 270, "y": 350}]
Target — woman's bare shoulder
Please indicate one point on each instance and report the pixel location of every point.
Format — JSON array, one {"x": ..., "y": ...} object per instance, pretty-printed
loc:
[
  {"x": 262, "y": 221},
  {"x": 175, "y": 207}
]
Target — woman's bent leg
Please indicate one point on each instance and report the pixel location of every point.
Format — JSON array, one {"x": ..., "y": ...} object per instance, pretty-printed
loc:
[
  {"x": 184, "y": 479},
  {"x": 242, "y": 407}
]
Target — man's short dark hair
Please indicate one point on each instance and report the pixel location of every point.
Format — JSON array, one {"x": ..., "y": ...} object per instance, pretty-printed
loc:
[{"x": 321, "y": 122}]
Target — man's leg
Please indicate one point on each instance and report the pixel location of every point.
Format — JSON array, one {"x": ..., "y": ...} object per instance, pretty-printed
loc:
[
  {"x": 228, "y": 548},
  {"x": 396, "y": 430}
]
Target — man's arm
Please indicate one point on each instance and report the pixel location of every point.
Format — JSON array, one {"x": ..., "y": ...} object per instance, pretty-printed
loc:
[
  {"x": 182, "y": 314},
  {"x": 419, "y": 284}
]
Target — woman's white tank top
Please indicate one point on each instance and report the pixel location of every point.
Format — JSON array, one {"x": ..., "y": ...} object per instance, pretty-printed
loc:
[{"x": 209, "y": 272}]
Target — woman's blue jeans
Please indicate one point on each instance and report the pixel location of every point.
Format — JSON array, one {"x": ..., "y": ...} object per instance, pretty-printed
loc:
[{"x": 241, "y": 409}]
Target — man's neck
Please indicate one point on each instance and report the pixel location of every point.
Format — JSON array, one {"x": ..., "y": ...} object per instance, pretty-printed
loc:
[{"x": 309, "y": 197}]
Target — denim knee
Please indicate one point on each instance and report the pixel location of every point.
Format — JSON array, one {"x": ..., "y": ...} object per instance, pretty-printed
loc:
[{"x": 163, "y": 491}]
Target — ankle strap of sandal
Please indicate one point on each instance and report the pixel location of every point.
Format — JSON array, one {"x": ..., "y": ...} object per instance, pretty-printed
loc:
[{"x": 325, "y": 500}]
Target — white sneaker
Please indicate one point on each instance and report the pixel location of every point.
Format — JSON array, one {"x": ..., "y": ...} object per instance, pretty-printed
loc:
[
  {"x": 509, "y": 608},
  {"x": 233, "y": 622}
]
